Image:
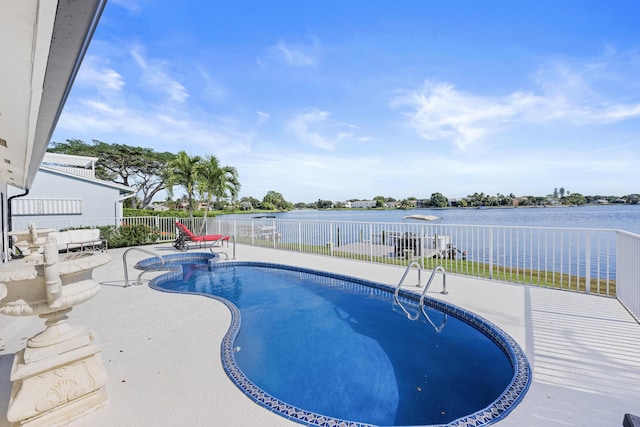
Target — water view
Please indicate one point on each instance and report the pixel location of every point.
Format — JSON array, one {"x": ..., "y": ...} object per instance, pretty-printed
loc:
[
  {"x": 620, "y": 217},
  {"x": 561, "y": 246}
]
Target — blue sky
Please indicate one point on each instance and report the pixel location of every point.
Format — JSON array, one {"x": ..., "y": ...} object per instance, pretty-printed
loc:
[{"x": 337, "y": 100}]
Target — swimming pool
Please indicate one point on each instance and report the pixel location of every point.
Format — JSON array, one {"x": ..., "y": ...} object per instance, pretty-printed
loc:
[{"x": 319, "y": 348}]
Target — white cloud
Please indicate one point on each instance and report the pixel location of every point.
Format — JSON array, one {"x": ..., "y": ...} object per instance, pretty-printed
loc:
[
  {"x": 591, "y": 92},
  {"x": 157, "y": 79},
  {"x": 297, "y": 55},
  {"x": 305, "y": 125},
  {"x": 315, "y": 176},
  {"x": 98, "y": 75},
  {"x": 438, "y": 111},
  {"x": 329, "y": 176},
  {"x": 212, "y": 91},
  {"x": 155, "y": 126},
  {"x": 319, "y": 129},
  {"x": 133, "y": 6},
  {"x": 161, "y": 116},
  {"x": 262, "y": 118}
]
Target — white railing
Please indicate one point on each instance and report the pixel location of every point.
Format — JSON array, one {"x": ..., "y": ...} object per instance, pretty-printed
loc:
[
  {"x": 59, "y": 223},
  {"x": 628, "y": 277},
  {"x": 164, "y": 226},
  {"x": 565, "y": 258},
  {"x": 573, "y": 259}
]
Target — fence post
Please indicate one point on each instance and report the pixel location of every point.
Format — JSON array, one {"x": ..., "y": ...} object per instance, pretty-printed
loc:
[
  {"x": 273, "y": 233},
  {"x": 330, "y": 239},
  {"x": 370, "y": 242},
  {"x": 491, "y": 253},
  {"x": 253, "y": 233},
  {"x": 422, "y": 248},
  {"x": 587, "y": 263}
]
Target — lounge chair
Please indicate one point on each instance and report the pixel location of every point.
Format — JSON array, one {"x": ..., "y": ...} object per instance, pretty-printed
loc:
[{"x": 185, "y": 236}]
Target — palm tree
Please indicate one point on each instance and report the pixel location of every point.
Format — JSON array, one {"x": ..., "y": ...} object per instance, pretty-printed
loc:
[
  {"x": 216, "y": 180},
  {"x": 183, "y": 171}
]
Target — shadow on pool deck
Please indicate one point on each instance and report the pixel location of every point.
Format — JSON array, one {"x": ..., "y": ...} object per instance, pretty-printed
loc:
[{"x": 162, "y": 351}]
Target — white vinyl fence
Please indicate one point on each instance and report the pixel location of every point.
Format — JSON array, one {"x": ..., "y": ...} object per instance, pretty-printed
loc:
[
  {"x": 566, "y": 258},
  {"x": 599, "y": 261},
  {"x": 628, "y": 277},
  {"x": 166, "y": 227}
]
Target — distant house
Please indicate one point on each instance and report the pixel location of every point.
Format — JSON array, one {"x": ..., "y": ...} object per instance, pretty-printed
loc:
[
  {"x": 519, "y": 201},
  {"x": 159, "y": 207},
  {"x": 361, "y": 204},
  {"x": 64, "y": 192}
]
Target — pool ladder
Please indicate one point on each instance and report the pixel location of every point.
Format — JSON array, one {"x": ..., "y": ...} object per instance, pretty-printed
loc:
[
  {"x": 396, "y": 298},
  {"x": 126, "y": 273},
  {"x": 221, "y": 240}
]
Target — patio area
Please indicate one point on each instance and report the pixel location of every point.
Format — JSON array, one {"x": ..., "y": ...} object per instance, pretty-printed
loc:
[{"x": 162, "y": 351}]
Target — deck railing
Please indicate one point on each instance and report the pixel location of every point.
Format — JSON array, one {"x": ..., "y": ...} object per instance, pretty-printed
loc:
[
  {"x": 59, "y": 223},
  {"x": 598, "y": 261},
  {"x": 565, "y": 258},
  {"x": 164, "y": 226},
  {"x": 628, "y": 277}
]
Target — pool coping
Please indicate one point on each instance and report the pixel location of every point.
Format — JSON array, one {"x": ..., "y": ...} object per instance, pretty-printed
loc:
[{"x": 491, "y": 414}]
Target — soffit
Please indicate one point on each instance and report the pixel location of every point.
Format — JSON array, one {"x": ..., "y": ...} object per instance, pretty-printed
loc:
[{"x": 42, "y": 43}]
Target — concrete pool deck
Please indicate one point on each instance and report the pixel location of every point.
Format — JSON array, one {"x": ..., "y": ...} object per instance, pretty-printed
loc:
[{"x": 162, "y": 351}]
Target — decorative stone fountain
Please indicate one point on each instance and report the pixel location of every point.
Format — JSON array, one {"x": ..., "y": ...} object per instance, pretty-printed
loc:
[
  {"x": 31, "y": 241},
  {"x": 59, "y": 376}
]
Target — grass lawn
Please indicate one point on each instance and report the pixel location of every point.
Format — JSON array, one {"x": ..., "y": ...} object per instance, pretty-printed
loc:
[{"x": 547, "y": 279}]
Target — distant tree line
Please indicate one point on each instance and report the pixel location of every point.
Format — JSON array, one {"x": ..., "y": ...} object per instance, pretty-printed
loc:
[
  {"x": 438, "y": 200},
  {"x": 148, "y": 172},
  {"x": 271, "y": 201},
  {"x": 208, "y": 184}
]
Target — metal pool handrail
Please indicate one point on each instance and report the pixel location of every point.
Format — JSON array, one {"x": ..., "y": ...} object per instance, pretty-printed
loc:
[
  {"x": 424, "y": 293},
  {"x": 444, "y": 292},
  {"x": 404, "y": 276},
  {"x": 433, "y": 274},
  {"x": 221, "y": 239},
  {"x": 124, "y": 262}
]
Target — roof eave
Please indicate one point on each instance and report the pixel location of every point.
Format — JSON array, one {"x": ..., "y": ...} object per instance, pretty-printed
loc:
[
  {"x": 74, "y": 27},
  {"x": 44, "y": 43}
]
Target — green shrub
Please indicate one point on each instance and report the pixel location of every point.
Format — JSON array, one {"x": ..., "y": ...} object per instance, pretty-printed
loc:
[{"x": 129, "y": 235}]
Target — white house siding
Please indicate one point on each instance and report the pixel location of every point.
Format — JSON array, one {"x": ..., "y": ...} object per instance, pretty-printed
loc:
[
  {"x": 363, "y": 204},
  {"x": 57, "y": 196},
  {"x": 4, "y": 242}
]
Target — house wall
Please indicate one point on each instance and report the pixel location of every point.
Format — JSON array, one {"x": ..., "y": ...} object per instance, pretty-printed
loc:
[
  {"x": 4, "y": 243},
  {"x": 363, "y": 204},
  {"x": 53, "y": 192}
]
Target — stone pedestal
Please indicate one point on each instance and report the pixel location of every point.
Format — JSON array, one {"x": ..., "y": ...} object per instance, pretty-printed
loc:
[{"x": 57, "y": 389}]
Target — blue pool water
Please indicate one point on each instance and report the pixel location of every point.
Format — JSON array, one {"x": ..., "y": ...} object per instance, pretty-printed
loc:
[{"x": 317, "y": 347}]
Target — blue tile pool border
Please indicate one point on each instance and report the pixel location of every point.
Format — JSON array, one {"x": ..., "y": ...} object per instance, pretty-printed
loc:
[
  {"x": 493, "y": 413},
  {"x": 173, "y": 260}
]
